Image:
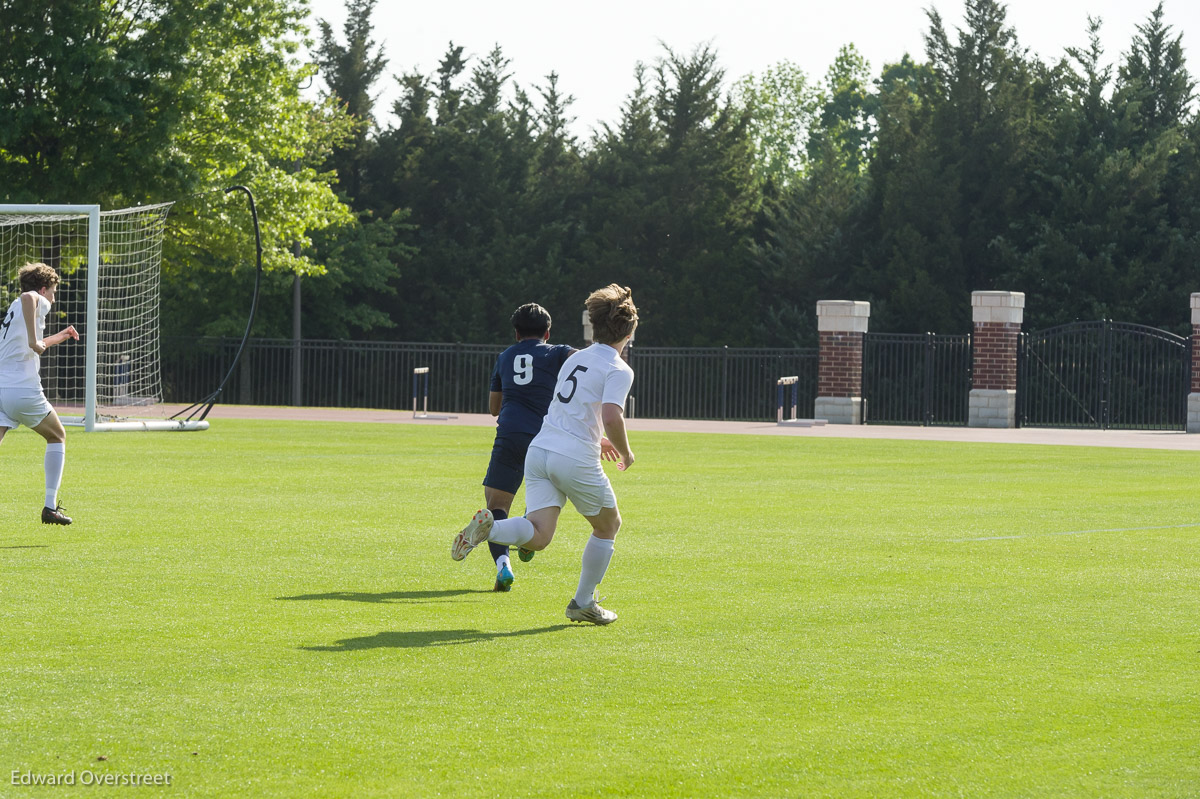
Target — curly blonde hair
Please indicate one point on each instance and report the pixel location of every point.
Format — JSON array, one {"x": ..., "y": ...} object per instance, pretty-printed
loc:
[
  {"x": 612, "y": 313},
  {"x": 36, "y": 276}
]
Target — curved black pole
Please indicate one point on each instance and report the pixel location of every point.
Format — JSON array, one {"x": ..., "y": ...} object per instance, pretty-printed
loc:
[{"x": 205, "y": 405}]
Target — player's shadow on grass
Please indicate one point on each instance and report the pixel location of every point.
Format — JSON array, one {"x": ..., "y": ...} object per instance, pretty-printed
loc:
[
  {"x": 425, "y": 638},
  {"x": 28, "y": 546},
  {"x": 388, "y": 596}
]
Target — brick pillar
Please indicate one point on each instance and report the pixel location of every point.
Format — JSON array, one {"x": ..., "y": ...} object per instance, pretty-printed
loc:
[
  {"x": 997, "y": 316},
  {"x": 1193, "y": 417},
  {"x": 840, "y": 327}
]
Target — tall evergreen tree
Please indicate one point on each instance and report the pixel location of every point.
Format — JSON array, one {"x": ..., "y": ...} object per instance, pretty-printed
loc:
[
  {"x": 555, "y": 201},
  {"x": 492, "y": 179},
  {"x": 1154, "y": 79},
  {"x": 957, "y": 179},
  {"x": 674, "y": 204},
  {"x": 350, "y": 71},
  {"x": 1106, "y": 239},
  {"x": 1155, "y": 92}
]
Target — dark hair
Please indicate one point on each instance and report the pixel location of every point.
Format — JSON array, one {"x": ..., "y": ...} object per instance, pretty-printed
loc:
[
  {"x": 36, "y": 276},
  {"x": 531, "y": 319},
  {"x": 612, "y": 313}
]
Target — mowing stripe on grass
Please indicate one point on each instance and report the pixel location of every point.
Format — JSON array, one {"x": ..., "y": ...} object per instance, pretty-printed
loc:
[{"x": 1078, "y": 532}]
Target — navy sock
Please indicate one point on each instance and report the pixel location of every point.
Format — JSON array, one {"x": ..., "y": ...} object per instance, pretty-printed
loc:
[{"x": 498, "y": 549}]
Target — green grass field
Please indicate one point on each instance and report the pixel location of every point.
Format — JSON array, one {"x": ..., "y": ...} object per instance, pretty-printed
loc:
[{"x": 270, "y": 610}]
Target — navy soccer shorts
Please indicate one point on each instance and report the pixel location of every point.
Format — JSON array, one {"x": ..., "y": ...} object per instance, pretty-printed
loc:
[{"x": 506, "y": 470}]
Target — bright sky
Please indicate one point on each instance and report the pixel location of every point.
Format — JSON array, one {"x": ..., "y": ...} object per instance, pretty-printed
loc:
[{"x": 594, "y": 46}]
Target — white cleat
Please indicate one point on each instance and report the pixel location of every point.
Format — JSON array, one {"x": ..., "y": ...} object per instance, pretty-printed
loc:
[
  {"x": 592, "y": 614},
  {"x": 472, "y": 535}
]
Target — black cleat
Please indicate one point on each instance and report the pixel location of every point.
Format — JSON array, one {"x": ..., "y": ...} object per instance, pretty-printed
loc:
[{"x": 55, "y": 516}]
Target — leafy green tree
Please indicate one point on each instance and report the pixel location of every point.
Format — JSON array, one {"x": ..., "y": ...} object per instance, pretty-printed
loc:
[
  {"x": 783, "y": 107},
  {"x": 248, "y": 124},
  {"x": 364, "y": 264},
  {"x": 845, "y": 129},
  {"x": 812, "y": 241},
  {"x": 126, "y": 102},
  {"x": 88, "y": 98}
]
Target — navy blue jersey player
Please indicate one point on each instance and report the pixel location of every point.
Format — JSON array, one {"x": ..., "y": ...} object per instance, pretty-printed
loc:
[{"x": 521, "y": 387}]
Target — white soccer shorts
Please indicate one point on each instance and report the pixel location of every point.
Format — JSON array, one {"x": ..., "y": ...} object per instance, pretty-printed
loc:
[
  {"x": 551, "y": 479},
  {"x": 23, "y": 406}
]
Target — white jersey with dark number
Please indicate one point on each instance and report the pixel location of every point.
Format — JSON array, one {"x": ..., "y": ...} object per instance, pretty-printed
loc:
[
  {"x": 19, "y": 364},
  {"x": 588, "y": 379}
]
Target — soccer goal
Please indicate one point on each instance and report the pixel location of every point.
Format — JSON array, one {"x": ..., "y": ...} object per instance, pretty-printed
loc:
[{"x": 109, "y": 265}]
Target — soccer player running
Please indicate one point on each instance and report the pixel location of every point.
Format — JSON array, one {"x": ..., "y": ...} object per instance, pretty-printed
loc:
[
  {"x": 563, "y": 461},
  {"x": 521, "y": 386},
  {"x": 22, "y": 400}
]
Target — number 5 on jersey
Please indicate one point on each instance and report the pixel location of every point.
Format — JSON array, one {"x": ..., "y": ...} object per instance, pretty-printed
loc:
[{"x": 574, "y": 383}]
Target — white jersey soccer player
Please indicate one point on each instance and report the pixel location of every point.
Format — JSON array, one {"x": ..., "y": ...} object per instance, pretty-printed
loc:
[
  {"x": 22, "y": 401},
  {"x": 20, "y": 366},
  {"x": 563, "y": 461},
  {"x": 573, "y": 425}
]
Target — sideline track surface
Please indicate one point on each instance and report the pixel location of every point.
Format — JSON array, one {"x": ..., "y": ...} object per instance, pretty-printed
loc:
[{"x": 1135, "y": 439}]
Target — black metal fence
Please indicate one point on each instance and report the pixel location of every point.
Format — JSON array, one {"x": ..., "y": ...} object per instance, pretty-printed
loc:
[
  {"x": 705, "y": 383},
  {"x": 1089, "y": 374},
  {"x": 336, "y": 374},
  {"x": 916, "y": 378},
  {"x": 717, "y": 382},
  {"x": 1103, "y": 374}
]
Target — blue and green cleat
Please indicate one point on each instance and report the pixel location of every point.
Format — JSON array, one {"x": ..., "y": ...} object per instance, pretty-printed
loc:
[{"x": 504, "y": 579}]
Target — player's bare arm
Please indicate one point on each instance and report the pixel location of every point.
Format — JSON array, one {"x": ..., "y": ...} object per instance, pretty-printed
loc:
[
  {"x": 607, "y": 451},
  {"x": 28, "y": 310},
  {"x": 613, "y": 418},
  {"x": 495, "y": 400},
  {"x": 68, "y": 332}
]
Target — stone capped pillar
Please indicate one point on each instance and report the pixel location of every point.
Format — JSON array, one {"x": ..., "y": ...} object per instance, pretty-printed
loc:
[
  {"x": 840, "y": 328},
  {"x": 1193, "y": 411},
  {"x": 587, "y": 329},
  {"x": 997, "y": 317}
]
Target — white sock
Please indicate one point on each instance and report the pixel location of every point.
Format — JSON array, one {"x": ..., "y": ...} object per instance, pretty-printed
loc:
[
  {"x": 56, "y": 456},
  {"x": 501, "y": 562},
  {"x": 514, "y": 531},
  {"x": 596, "y": 555}
]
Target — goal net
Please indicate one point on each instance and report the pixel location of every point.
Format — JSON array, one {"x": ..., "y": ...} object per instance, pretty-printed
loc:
[{"x": 109, "y": 265}]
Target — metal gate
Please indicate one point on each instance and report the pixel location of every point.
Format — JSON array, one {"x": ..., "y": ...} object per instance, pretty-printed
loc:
[
  {"x": 916, "y": 378},
  {"x": 1103, "y": 374}
]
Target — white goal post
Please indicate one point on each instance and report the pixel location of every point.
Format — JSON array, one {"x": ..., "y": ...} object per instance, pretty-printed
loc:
[{"x": 109, "y": 265}]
